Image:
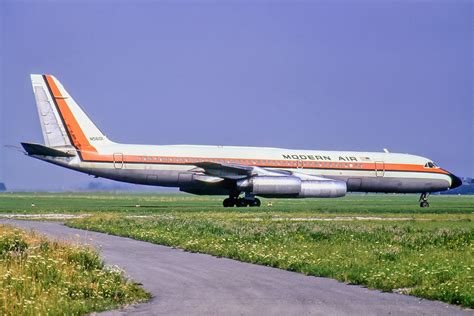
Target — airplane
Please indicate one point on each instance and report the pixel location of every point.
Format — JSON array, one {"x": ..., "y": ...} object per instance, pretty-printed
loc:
[{"x": 73, "y": 141}]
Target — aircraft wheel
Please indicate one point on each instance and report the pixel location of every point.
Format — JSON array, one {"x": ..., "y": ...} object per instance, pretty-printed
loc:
[
  {"x": 255, "y": 202},
  {"x": 424, "y": 204},
  {"x": 241, "y": 203},
  {"x": 228, "y": 202}
]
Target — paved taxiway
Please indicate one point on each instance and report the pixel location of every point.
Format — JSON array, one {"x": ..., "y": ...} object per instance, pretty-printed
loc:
[{"x": 184, "y": 283}]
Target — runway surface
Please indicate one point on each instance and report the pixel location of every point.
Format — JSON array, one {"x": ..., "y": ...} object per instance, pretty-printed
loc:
[{"x": 184, "y": 283}]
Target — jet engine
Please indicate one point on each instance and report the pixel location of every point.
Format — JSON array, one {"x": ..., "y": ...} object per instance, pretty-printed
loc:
[{"x": 291, "y": 186}]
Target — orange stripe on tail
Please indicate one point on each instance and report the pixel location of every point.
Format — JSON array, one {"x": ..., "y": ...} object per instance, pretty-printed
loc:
[{"x": 78, "y": 137}]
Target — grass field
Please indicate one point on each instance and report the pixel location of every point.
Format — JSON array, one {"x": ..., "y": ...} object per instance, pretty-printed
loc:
[
  {"x": 380, "y": 241},
  {"x": 41, "y": 277},
  {"x": 126, "y": 203}
]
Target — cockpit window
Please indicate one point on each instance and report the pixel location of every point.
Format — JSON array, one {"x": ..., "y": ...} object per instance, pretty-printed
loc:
[{"x": 430, "y": 164}]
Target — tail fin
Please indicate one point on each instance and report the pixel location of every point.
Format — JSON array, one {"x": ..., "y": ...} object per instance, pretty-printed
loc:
[{"x": 63, "y": 122}]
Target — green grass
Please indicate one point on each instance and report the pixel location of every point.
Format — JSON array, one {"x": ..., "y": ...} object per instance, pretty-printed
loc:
[
  {"x": 423, "y": 252},
  {"x": 41, "y": 277},
  {"x": 431, "y": 259},
  {"x": 156, "y": 203}
]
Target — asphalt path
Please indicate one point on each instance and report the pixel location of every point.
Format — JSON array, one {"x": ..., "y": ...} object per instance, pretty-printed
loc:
[{"x": 184, "y": 283}]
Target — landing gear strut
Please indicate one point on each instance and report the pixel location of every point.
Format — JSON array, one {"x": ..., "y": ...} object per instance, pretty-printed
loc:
[
  {"x": 424, "y": 200},
  {"x": 248, "y": 200}
]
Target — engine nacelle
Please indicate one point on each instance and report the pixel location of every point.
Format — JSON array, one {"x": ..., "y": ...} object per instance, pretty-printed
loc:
[
  {"x": 290, "y": 186},
  {"x": 266, "y": 186},
  {"x": 323, "y": 188}
]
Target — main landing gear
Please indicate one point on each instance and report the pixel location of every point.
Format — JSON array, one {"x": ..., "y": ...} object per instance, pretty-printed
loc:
[
  {"x": 424, "y": 200},
  {"x": 248, "y": 200}
]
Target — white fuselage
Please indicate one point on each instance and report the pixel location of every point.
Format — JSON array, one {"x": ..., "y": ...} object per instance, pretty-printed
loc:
[
  {"x": 174, "y": 165},
  {"x": 72, "y": 140}
]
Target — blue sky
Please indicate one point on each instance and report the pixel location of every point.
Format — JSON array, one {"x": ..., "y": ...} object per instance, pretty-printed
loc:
[{"x": 336, "y": 75}]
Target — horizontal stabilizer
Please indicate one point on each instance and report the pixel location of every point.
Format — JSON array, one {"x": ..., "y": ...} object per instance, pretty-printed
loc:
[{"x": 41, "y": 150}]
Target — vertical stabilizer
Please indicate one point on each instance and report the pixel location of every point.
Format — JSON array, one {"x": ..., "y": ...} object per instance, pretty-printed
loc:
[
  {"x": 63, "y": 122},
  {"x": 54, "y": 133}
]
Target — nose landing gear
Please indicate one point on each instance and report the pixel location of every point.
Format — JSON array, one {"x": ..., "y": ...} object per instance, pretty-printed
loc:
[{"x": 424, "y": 200}]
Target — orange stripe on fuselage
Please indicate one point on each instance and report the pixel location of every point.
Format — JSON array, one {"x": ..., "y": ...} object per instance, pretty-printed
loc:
[
  {"x": 292, "y": 164},
  {"x": 79, "y": 139}
]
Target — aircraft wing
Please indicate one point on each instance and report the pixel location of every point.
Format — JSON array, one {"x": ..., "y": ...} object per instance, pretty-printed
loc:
[
  {"x": 236, "y": 172},
  {"x": 226, "y": 171}
]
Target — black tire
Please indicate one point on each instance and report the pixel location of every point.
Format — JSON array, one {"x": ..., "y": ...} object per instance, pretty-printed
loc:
[
  {"x": 424, "y": 204},
  {"x": 228, "y": 202},
  {"x": 254, "y": 203},
  {"x": 241, "y": 203}
]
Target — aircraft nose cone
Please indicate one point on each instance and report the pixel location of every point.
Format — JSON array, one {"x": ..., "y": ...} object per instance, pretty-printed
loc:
[{"x": 455, "y": 181}]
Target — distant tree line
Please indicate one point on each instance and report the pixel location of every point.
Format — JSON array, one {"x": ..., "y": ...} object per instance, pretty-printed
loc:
[{"x": 467, "y": 187}]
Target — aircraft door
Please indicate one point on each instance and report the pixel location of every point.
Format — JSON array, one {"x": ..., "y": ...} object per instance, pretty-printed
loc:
[
  {"x": 299, "y": 164},
  {"x": 118, "y": 160},
  {"x": 379, "y": 168}
]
